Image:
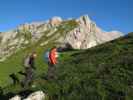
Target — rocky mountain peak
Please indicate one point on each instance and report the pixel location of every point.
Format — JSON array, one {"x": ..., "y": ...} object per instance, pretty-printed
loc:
[
  {"x": 87, "y": 34},
  {"x": 81, "y": 33},
  {"x": 55, "y": 21},
  {"x": 84, "y": 20}
]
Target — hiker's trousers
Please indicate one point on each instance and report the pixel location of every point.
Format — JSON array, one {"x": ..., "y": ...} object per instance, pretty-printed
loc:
[
  {"x": 51, "y": 71},
  {"x": 29, "y": 76}
]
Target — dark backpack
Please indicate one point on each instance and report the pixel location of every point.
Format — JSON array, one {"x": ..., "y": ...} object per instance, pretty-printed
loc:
[{"x": 26, "y": 62}]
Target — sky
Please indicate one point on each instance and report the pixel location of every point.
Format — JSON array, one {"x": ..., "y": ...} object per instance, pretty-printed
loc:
[{"x": 108, "y": 14}]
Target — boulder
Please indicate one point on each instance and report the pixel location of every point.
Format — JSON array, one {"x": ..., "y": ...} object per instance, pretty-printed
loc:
[
  {"x": 17, "y": 97},
  {"x": 39, "y": 95},
  {"x": 55, "y": 21}
]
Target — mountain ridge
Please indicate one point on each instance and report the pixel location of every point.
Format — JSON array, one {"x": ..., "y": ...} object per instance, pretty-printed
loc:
[{"x": 81, "y": 33}]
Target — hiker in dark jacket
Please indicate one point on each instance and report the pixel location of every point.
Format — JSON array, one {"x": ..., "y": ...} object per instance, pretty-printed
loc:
[
  {"x": 32, "y": 60},
  {"x": 29, "y": 64}
]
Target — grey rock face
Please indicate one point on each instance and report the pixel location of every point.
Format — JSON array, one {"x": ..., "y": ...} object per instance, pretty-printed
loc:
[
  {"x": 17, "y": 97},
  {"x": 55, "y": 21},
  {"x": 14, "y": 40},
  {"x": 39, "y": 95},
  {"x": 88, "y": 34}
]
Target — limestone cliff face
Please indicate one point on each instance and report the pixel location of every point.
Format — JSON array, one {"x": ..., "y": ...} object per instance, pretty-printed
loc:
[
  {"x": 88, "y": 34},
  {"x": 14, "y": 40},
  {"x": 81, "y": 33}
]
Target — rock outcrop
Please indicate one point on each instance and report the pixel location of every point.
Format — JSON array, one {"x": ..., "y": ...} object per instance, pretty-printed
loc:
[
  {"x": 17, "y": 97},
  {"x": 88, "y": 34},
  {"x": 55, "y": 21},
  {"x": 38, "y": 95},
  {"x": 12, "y": 41}
]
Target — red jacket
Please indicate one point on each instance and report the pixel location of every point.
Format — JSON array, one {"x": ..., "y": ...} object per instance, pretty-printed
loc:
[{"x": 52, "y": 56}]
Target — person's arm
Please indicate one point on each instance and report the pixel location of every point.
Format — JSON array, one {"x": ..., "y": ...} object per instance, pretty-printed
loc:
[{"x": 32, "y": 63}]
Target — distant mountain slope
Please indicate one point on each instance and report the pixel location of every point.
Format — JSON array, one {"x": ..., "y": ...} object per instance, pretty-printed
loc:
[{"x": 81, "y": 33}]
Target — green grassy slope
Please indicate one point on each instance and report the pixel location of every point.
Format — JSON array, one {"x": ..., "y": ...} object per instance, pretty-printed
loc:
[{"x": 104, "y": 72}]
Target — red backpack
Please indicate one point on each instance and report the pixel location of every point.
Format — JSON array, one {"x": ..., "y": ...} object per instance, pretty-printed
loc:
[{"x": 53, "y": 56}]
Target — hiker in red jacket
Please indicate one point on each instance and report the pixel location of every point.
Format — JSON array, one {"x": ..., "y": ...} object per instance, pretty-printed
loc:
[
  {"x": 53, "y": 56},
  {"x": 52, "y": 63}
]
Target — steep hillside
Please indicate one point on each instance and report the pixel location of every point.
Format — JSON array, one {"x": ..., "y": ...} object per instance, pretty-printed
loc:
[{"x": 104, "y": 72}]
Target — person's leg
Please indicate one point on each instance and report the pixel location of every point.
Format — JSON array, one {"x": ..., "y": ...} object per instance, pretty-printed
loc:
[
  {"x": 30, "y": 76},
  {"x": 24, "y": 82},
  {"x": 51, "y": 72},
  {"x": 49, "y": 69},
  {"x": 27, "y": 79}
]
